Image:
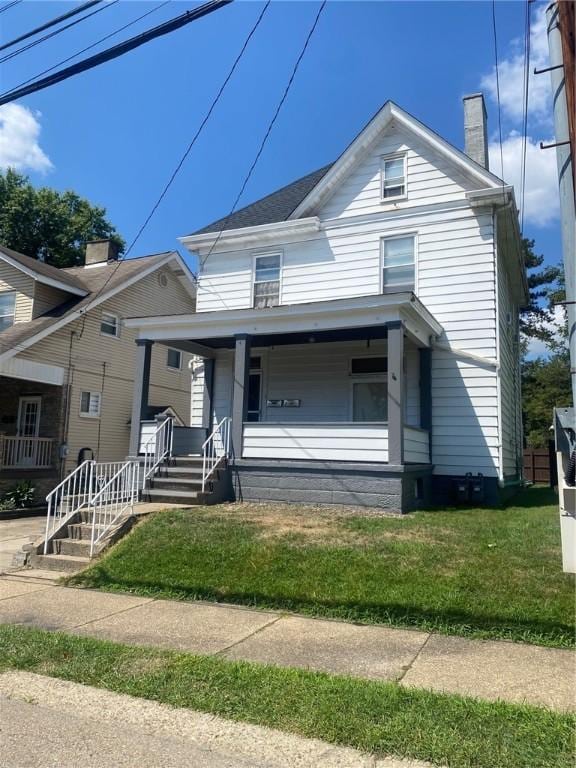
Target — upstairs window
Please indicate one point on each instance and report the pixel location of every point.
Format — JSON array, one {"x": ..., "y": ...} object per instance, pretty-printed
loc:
[
  {"x": 398, "y": 263},
  {"x": 109, "y": 324},
  {"x": 90, "y": 404},
  {"x": 393, "y": 177},
  {"x": 174, "y": 359},
  {"x": 267, "y": 281},
  {"x": 7, "y": 309}
]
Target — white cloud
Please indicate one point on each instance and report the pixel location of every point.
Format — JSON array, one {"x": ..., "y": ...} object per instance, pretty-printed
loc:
[
  {"x": 557, "y": 326},
  {"x": 511, "y": 72},
  {"x": 19, "y": 134},
  {"x": 542, "y": 205}
]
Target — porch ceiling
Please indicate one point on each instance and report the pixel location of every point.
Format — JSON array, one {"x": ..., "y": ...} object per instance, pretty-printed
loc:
[{"x": 364, "y": 317}]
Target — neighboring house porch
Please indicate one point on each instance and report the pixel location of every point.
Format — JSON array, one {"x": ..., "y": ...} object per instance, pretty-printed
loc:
[
  {"x": 329, "y": 401},
  {"x": 30, "y": 432}
]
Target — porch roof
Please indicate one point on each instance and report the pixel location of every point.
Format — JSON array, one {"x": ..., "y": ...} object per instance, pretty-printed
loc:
[{"x": 339, "y": 319}]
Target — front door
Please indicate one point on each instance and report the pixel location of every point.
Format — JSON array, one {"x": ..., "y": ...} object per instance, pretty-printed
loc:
[{"x": 28, "y": 426}]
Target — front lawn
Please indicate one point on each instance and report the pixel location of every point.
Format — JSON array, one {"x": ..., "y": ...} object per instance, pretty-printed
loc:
[
  {"x": 477, "y": 572},
  {"x": 377, "y": 717}
]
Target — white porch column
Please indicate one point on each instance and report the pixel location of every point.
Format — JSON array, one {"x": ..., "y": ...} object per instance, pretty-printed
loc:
[
  {"x": 141, "y": 389},
  {"x": 240, "y": 391},
  {"x": 395, "y": 392}
]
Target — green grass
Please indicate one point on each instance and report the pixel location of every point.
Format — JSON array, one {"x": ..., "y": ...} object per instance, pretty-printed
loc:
[
  {"x": 476, "y": 572},
  {"x": 381, "y": 718}
]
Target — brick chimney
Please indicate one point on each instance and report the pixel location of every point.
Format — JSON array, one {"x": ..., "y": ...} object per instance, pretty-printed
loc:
[
  {"x": 100, "y": 252},
  {"x": 476, "y": 129}
]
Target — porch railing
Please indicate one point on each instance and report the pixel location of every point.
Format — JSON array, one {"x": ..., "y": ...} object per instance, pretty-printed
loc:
[
  {"x": 158, "y": 447},
  {"x": 26, "y": 452},
  {"x": 216, "y": 449},
  {"x": 108, "y": 504}
]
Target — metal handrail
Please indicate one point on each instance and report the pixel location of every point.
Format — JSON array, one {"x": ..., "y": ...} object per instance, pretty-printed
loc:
[
  {"x": 113, "y": 499},
  {"x": 165, "y": 431},
  {"x": 213, "y": 451},
  {"x": 76, "y": 486}
]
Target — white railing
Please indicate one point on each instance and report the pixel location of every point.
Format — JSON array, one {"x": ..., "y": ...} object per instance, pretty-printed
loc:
[
  {"x": 25, "y": 452},
  {"x": 118, "y": 494},
  {"x": 215, "y": 449},
  {"x": 71, "y": 495},
  {"x": 84, "y": 486},
  {"x": 159, "y": 447}
]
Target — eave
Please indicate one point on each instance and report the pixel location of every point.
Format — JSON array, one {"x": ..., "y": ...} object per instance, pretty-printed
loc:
[{"x": 246, "y": 236}]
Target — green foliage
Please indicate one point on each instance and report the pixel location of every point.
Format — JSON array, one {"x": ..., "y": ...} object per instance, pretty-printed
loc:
[
  {"x": 381, "y": 718},
  {"x": 475, "y": 572},
  {"x": 545, "y": 386},
  {"x": 19, "y": 496},
  {"x": 42, "y": 220},
  {"x": 546, "y": 287}
]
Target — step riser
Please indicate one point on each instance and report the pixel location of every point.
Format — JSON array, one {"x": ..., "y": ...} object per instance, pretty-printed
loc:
[
  {"x": 188, "y": 486},
  {"x": 82, "y": 531},
  {"x": 71, "y": 547},
  {"x": 164, "y": 497},
  {"x": 56, "y": 564}
]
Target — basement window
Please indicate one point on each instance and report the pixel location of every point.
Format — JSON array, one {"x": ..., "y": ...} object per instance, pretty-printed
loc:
[
  {"x": 267, "y": 281},
  {"x": 174, "y": 359},
  {"x": 110, "y": 324},
  {"x": 7, "y": 309},
  {"x": 393, "y": 177},
  {"x": 90, "y": 403}
]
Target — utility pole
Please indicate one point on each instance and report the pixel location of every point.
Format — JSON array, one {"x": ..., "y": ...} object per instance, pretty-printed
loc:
[{"x": 560, "y": 18}]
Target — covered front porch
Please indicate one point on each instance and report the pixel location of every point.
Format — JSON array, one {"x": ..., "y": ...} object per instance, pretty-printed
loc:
[{"x": 333, "y": 387}]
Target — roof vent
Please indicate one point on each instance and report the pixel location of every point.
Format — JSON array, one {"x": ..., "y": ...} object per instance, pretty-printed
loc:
[{"x": 100, "y": 252}]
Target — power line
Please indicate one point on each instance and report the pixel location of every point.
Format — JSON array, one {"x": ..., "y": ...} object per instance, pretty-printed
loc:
[
  {"x": 268, "y": 131},
  {"x": 498, "y": 86},
  {"x": 118, "y": 50},
  {"x": 525, "y": 126},
  {"x": 48, "y": 24},
  {"x": 89, "y": 47},
  {"x": 56, "y": 32},
  {"x": 190, "y": 145},
  {"x": 10, "y": 5}
]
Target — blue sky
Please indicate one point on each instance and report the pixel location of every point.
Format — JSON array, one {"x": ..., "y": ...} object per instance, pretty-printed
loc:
[{"x": 115, "y": 134}]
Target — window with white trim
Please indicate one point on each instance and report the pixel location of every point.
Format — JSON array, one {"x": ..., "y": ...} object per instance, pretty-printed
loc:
[
  {"x": 393, "y": 177},
  {"x": 398, "y": 259},
  {"x": 110, "y": 324},
  {"x": 267, "y": 281},
  {"x": 90, "y": 403},
  {"x": 174, "y": 359},
  {"x": 7, "y": 309}
]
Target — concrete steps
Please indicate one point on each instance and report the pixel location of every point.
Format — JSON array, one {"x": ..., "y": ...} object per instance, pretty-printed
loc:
[
  {"x": 180, "y": 482},
  {"x": 68, "y": 563}
]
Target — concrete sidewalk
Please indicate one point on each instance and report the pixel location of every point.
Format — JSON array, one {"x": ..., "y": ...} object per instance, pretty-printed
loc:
[
  {"x": 68, "y": 725},
  {"x": 484, "y": 669},
  {"x": 14, "y": 534}
]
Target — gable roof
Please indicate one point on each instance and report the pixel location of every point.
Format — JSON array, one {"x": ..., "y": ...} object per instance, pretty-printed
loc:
[
  {"x": 274, "y": 207},
  {"x": 44, "y": 273},
  {"x": 300, "y": 197},
  {"x": 97, "y": 283}
]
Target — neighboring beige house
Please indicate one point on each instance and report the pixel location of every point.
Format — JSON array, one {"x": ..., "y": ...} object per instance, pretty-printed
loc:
[{"x": 67, "y": 360}]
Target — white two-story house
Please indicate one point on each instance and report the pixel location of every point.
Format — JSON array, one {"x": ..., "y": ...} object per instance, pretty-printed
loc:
[{"x": 359, "y": 327}]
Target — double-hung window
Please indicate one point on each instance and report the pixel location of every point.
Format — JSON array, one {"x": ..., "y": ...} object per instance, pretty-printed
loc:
[
  {"x": 90, "y": 403},
  {"x": 267, "y": 281},
  {"x": 7, "y": 309},
  {"x": 393, "y": 177},
  {"x": 109, "y": 324},
  {"x": 398, "y": 270}
]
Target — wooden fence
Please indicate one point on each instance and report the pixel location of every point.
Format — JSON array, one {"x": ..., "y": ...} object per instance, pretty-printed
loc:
[{"x": 539, "y": 465}]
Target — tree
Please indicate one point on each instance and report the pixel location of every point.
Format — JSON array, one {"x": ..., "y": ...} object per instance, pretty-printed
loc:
[
  {"x": 545, "y": 386},
  {"x": 546, "y": 288},
  {"x": 44, "y": 221}
]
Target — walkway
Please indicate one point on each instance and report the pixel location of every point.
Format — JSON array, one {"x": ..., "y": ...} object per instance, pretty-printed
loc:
[
  {"x": 14, "y": 534},
  {"x": 484, "y": 669}
]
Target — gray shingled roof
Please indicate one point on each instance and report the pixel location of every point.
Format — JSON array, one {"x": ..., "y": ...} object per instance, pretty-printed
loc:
[
  {"x": 274, "y": 207},
  {"x": 93, "y": 279}
]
